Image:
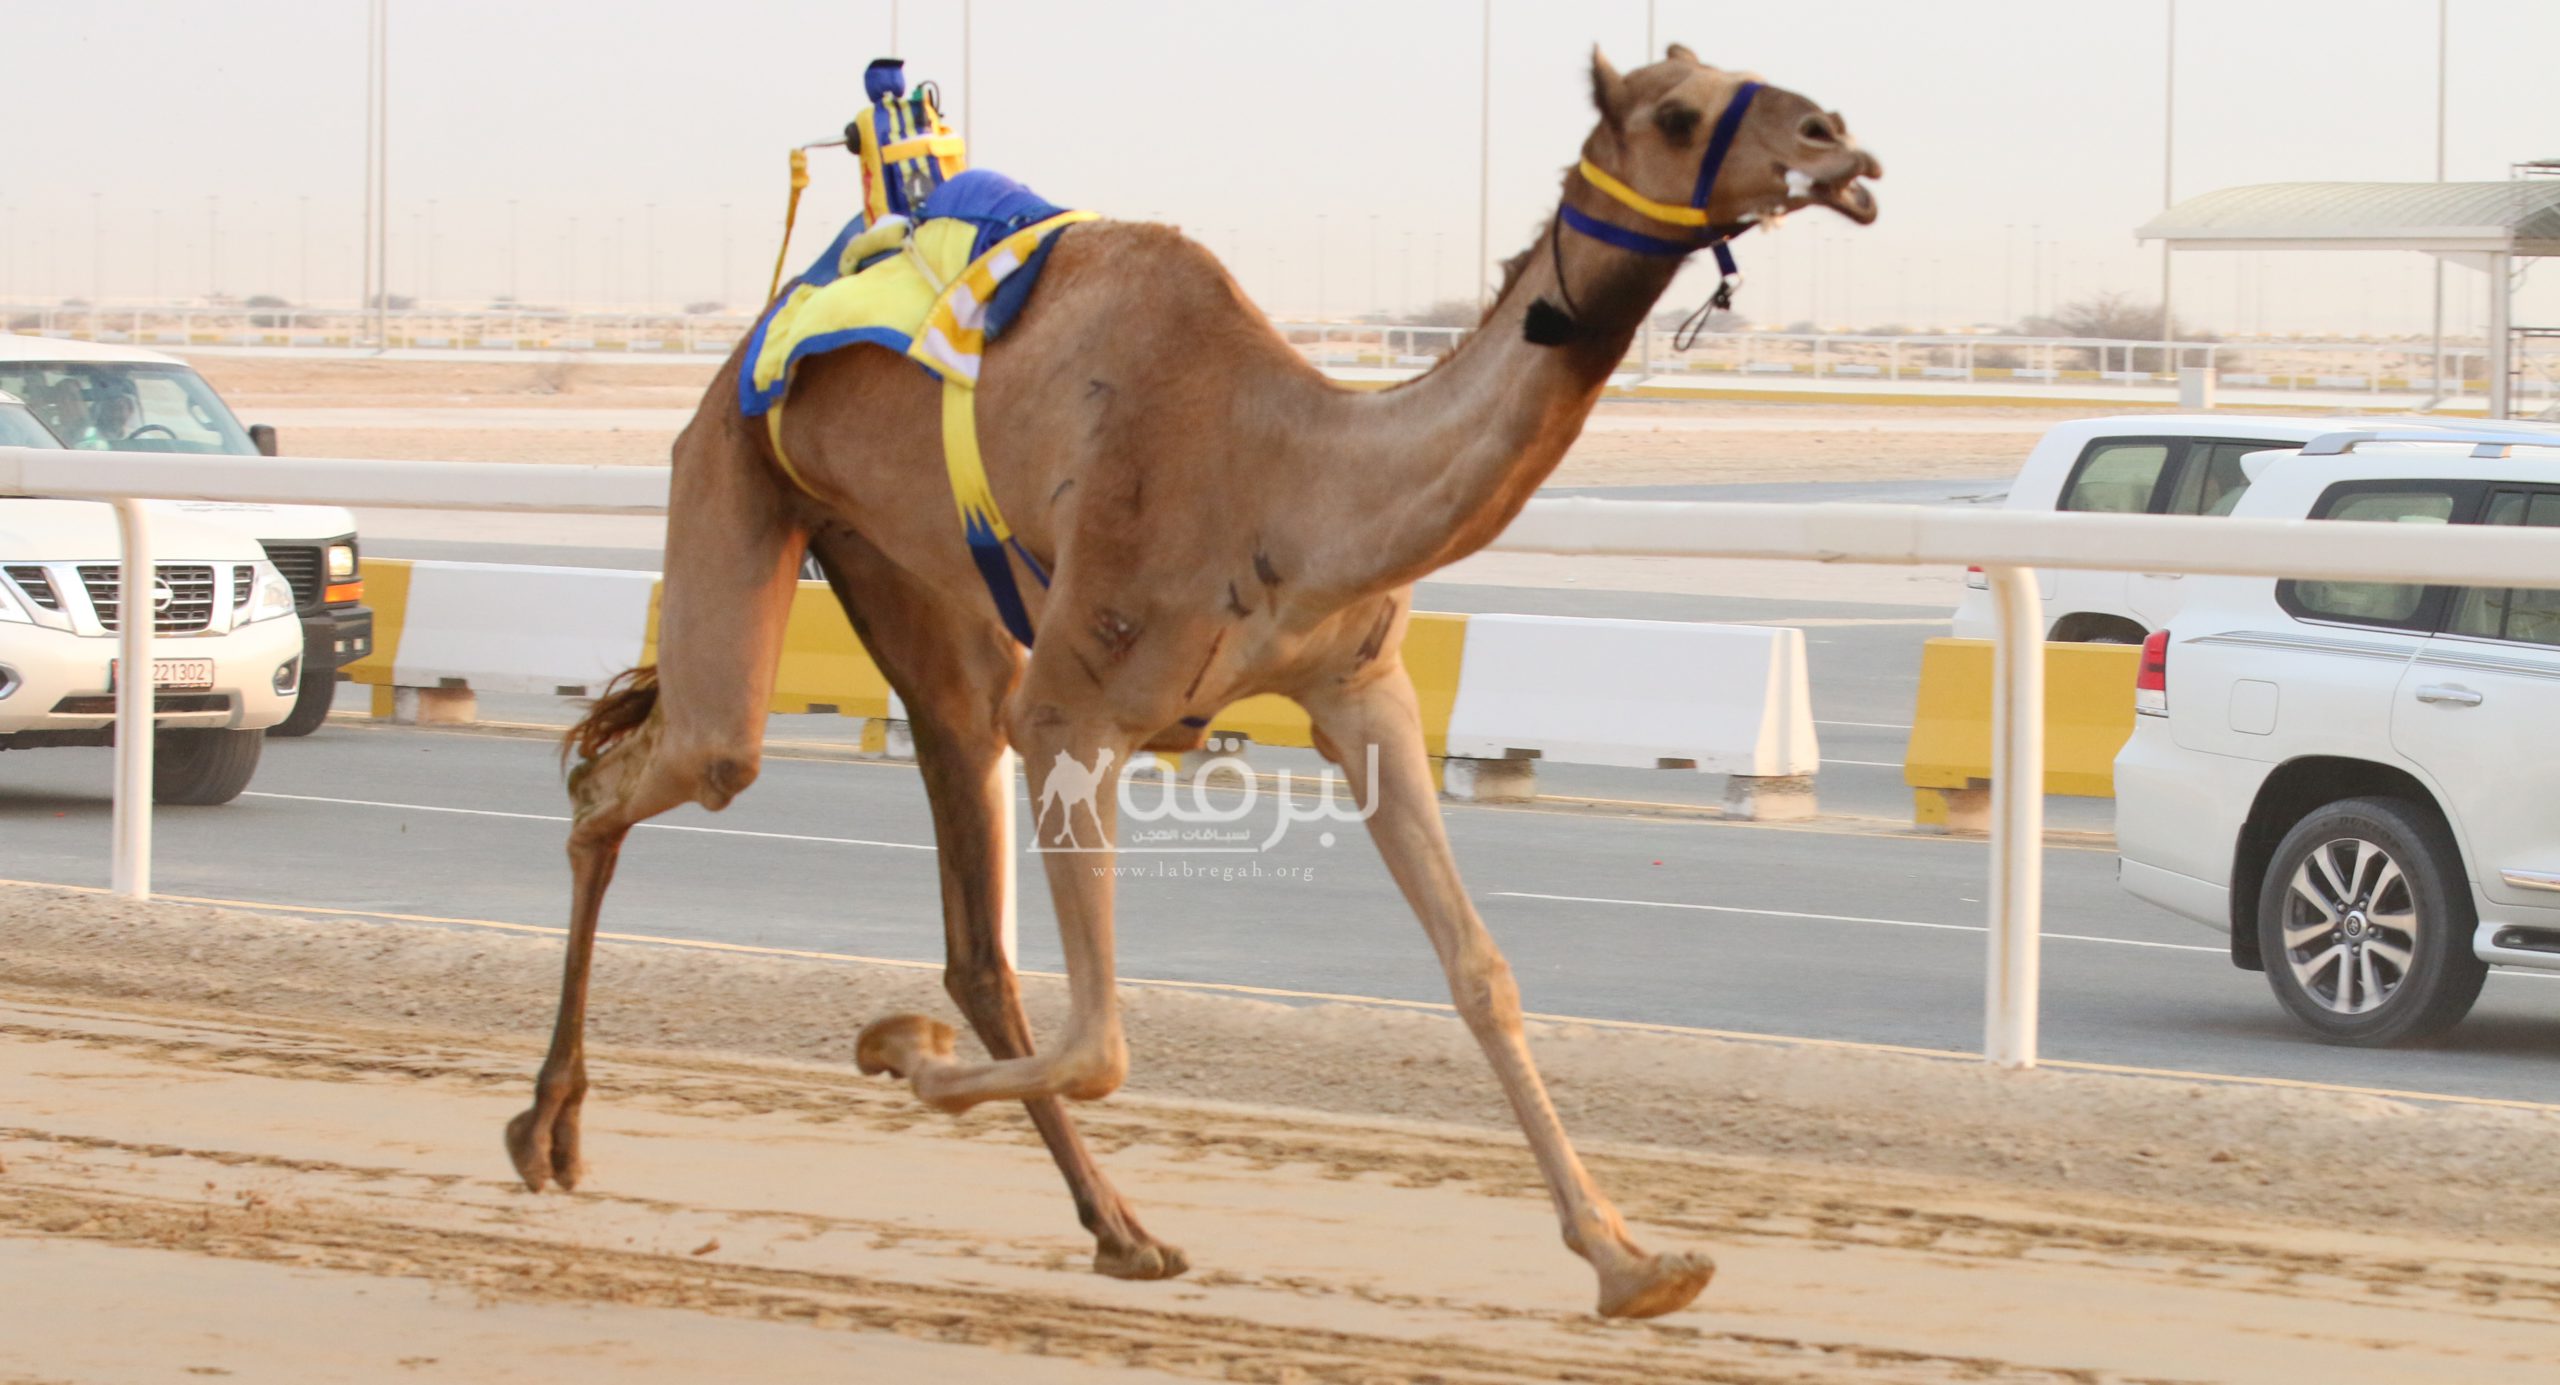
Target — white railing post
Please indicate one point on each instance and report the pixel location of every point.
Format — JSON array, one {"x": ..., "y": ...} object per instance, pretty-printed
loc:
[
  {"x": 1008, "y": 855},
  {"x": 137, "y": 615},
  {"x": 2017, "y": 819}
]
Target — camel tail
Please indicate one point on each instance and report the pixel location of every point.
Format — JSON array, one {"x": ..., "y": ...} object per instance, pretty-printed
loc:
[{"x": 624, "y": 705}]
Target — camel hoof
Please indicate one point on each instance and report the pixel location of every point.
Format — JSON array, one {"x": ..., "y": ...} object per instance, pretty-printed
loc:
[
  {"x": 1659, "y": 1284},
  {"x": 1145, "y": 1260},
  {"x": 900, "y": 1044},
  {"x": 541, "y": 1156}
]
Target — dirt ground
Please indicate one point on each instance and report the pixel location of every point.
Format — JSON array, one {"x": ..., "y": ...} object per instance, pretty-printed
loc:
[
  {"x": 282, "y": 1135},
  {"x": 460, "y": 411}
]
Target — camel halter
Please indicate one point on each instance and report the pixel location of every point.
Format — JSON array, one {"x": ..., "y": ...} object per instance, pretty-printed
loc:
[{"x": 1704, "y": 237}]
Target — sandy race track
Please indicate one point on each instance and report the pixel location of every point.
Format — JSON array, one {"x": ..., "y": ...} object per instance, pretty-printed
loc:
[{"x": 267, "y": 1148}]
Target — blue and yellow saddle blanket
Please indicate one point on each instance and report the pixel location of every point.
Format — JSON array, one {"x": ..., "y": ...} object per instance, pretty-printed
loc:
[{"x": 935, "y": 288}]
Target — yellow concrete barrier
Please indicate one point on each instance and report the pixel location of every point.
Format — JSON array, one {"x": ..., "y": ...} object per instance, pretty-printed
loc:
[
  {"x": 2088, "y": 709},
  {"x": 825, "y": 668},
  {"x": 386, "y": 590}
]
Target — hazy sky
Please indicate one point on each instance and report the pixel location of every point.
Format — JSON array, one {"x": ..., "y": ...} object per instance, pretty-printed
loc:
[{"x": 1244, "y": 122}]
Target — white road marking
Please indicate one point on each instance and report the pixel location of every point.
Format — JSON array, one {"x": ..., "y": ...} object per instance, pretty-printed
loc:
[
  {"x": 550, "y": 817},
  {"x": 1870, "y": 725},
  {"x": 1845, "y": 918},
  {"x": 1871, "y": 764}
]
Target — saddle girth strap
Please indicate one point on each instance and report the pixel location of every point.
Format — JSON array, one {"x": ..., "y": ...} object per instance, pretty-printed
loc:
[{"x": 992, "y": 545}]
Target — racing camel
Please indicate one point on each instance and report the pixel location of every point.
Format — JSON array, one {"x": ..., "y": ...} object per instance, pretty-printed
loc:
[{"x": 1220, "y": 521}]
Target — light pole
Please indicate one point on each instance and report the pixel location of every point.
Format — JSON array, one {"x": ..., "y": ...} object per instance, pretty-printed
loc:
[
  {"x": 2442, "y": 23},
  {"x": 213, "y": 245},
  {"x": 2168, "y": 153},
  {"x": 1484, "y": 166},
  {"x": 2008, "y": 273},
  {"x": 97, "y": 256},
  {"x": 302, "y": 291},
  {"x": 1319, "y": 266},
  {"x": 157, "y": 217},
  {"x": 512, "y": 227},
  {"x": 725, "y": 256},
  {"x": 428, "y": 240},
  {"x": 649, "y": 257},
  {"x": 1373, "y": 262}
]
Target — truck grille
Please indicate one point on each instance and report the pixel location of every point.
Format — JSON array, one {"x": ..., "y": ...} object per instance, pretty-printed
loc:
[
  {"x": 302, "y": 566},
  {"x": 190, "y": 602},
  {"x": 242, "y": 579},
  {"x": 38, "y": 587}
]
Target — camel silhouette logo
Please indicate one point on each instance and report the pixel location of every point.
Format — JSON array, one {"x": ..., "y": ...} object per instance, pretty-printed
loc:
[{"x": 1067, "y": 786}]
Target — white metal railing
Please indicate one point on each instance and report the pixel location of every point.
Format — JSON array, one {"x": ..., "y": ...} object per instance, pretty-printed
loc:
[{"x": 2008, "y": 544}]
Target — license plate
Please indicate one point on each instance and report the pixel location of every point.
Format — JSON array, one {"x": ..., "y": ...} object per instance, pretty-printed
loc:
[{"x": 180, "y": 674}]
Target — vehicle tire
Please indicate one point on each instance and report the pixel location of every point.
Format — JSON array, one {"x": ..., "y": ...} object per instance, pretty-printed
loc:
[
  {"x": 310, "y": 706},
  {"x": 2365, "y": 923},
  {"x": 203, "y": 765}
]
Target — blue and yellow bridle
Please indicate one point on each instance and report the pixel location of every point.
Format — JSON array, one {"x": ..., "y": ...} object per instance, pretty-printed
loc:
[{"x": 1703, "y": 236}]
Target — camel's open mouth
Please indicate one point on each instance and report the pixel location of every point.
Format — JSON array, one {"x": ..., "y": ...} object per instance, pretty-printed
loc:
[{"x": 1845, "y": 191}]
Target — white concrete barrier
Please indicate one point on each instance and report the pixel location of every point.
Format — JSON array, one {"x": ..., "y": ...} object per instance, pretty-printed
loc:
[
  {"x": 1721, "y": 699},
  {"x": 495, "y": 627}
]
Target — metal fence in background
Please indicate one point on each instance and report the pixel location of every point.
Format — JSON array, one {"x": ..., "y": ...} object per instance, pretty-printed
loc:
[{"x": 2334, "y": 368}]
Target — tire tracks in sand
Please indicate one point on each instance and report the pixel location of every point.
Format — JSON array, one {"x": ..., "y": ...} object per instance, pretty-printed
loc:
[{"x": 801, "y": 1198}]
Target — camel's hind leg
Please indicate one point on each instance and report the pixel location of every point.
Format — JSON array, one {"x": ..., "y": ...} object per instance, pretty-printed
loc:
[
  {"x": 952, "y": 670},
  {"x": 1379, "y": 717},
  {"x": 691, "y": 732}
]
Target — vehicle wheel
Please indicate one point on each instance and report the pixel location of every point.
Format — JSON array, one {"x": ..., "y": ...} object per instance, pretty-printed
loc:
[
  {"x": 203, "y": 765},
  {"x": 2365, "y": 922},
  {"x": 310, "y": 706}
]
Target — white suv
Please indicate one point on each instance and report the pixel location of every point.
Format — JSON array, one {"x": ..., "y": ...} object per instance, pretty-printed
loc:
[
  {"x": 2159, "y": 464},
  {"x": 2355, "y": 778},
  {"x": 228, "y": 661}
]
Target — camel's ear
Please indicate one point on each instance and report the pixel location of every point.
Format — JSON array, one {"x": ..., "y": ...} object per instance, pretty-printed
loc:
[
  {"x": 1608, "y": 90},
  {"x": 1680, "y": 52}
]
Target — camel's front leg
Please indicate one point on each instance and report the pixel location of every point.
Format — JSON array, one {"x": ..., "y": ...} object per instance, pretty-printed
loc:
[
  {"x": 1090, "y": 1059},
  {"x": 1380, "y": 715}
]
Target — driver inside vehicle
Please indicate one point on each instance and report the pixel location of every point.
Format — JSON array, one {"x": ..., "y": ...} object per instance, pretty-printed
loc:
[{"x": 118, "y": 414}]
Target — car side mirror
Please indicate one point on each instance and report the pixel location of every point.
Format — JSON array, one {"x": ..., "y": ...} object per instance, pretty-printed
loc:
[{"x": 263, "y": 437}]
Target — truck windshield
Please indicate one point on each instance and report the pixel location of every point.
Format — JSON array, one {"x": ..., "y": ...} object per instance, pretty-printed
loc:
[
  {"x": 126, "y": 406},
  {"x": 18, "y": 428}
]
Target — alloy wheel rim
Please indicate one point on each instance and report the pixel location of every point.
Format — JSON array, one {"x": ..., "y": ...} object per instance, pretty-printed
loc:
[{"x": 2350, "y": 926}]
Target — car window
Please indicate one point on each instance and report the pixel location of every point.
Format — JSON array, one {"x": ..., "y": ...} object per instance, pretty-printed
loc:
[
  {"x": 2117, "y": 478},
  {"x": 2372, "y": 603},
  {"x": 2512, "y": 613},
  {"x": 2212, "y": 481},
  {"x": 18, "y": 428},
  {"x": 127, "y": 406}
]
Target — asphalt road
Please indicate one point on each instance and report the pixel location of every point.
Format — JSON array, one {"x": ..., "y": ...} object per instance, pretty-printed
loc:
[{"x": 1842, "y": 930}]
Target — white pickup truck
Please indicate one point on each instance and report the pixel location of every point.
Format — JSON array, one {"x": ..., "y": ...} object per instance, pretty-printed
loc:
[
  {"x": 228, "y": 663},
  {"x": 106, "y": 395}
]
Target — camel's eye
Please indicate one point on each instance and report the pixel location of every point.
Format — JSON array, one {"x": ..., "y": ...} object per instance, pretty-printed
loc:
[
  {"x": 1817, "y": 130},
  {"x": 1678, "y": 122}
]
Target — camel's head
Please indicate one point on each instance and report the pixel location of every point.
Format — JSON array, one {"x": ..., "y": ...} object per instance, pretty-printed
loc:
[{"x": 1658, "y": 123}]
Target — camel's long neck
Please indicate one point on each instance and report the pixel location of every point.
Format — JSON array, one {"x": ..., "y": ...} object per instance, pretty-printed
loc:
[{"x": 1433, "y": 470}]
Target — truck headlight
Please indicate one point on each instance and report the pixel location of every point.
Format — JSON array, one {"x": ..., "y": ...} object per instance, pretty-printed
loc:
[
  {"x": 269, "y": 595},
  {"x": 342, "y": 561}
]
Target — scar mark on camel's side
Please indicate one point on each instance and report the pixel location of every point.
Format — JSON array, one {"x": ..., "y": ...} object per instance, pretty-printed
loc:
[
  {"x": 1063, "y": 487},
  {"x": 1235, "y": 603},
  {"x": 1098, "y": 387},
  {"x": 1205, "y": 661},
  {"x": 1087, "y": 665},
  {"x": 1263, "y": 569}
]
